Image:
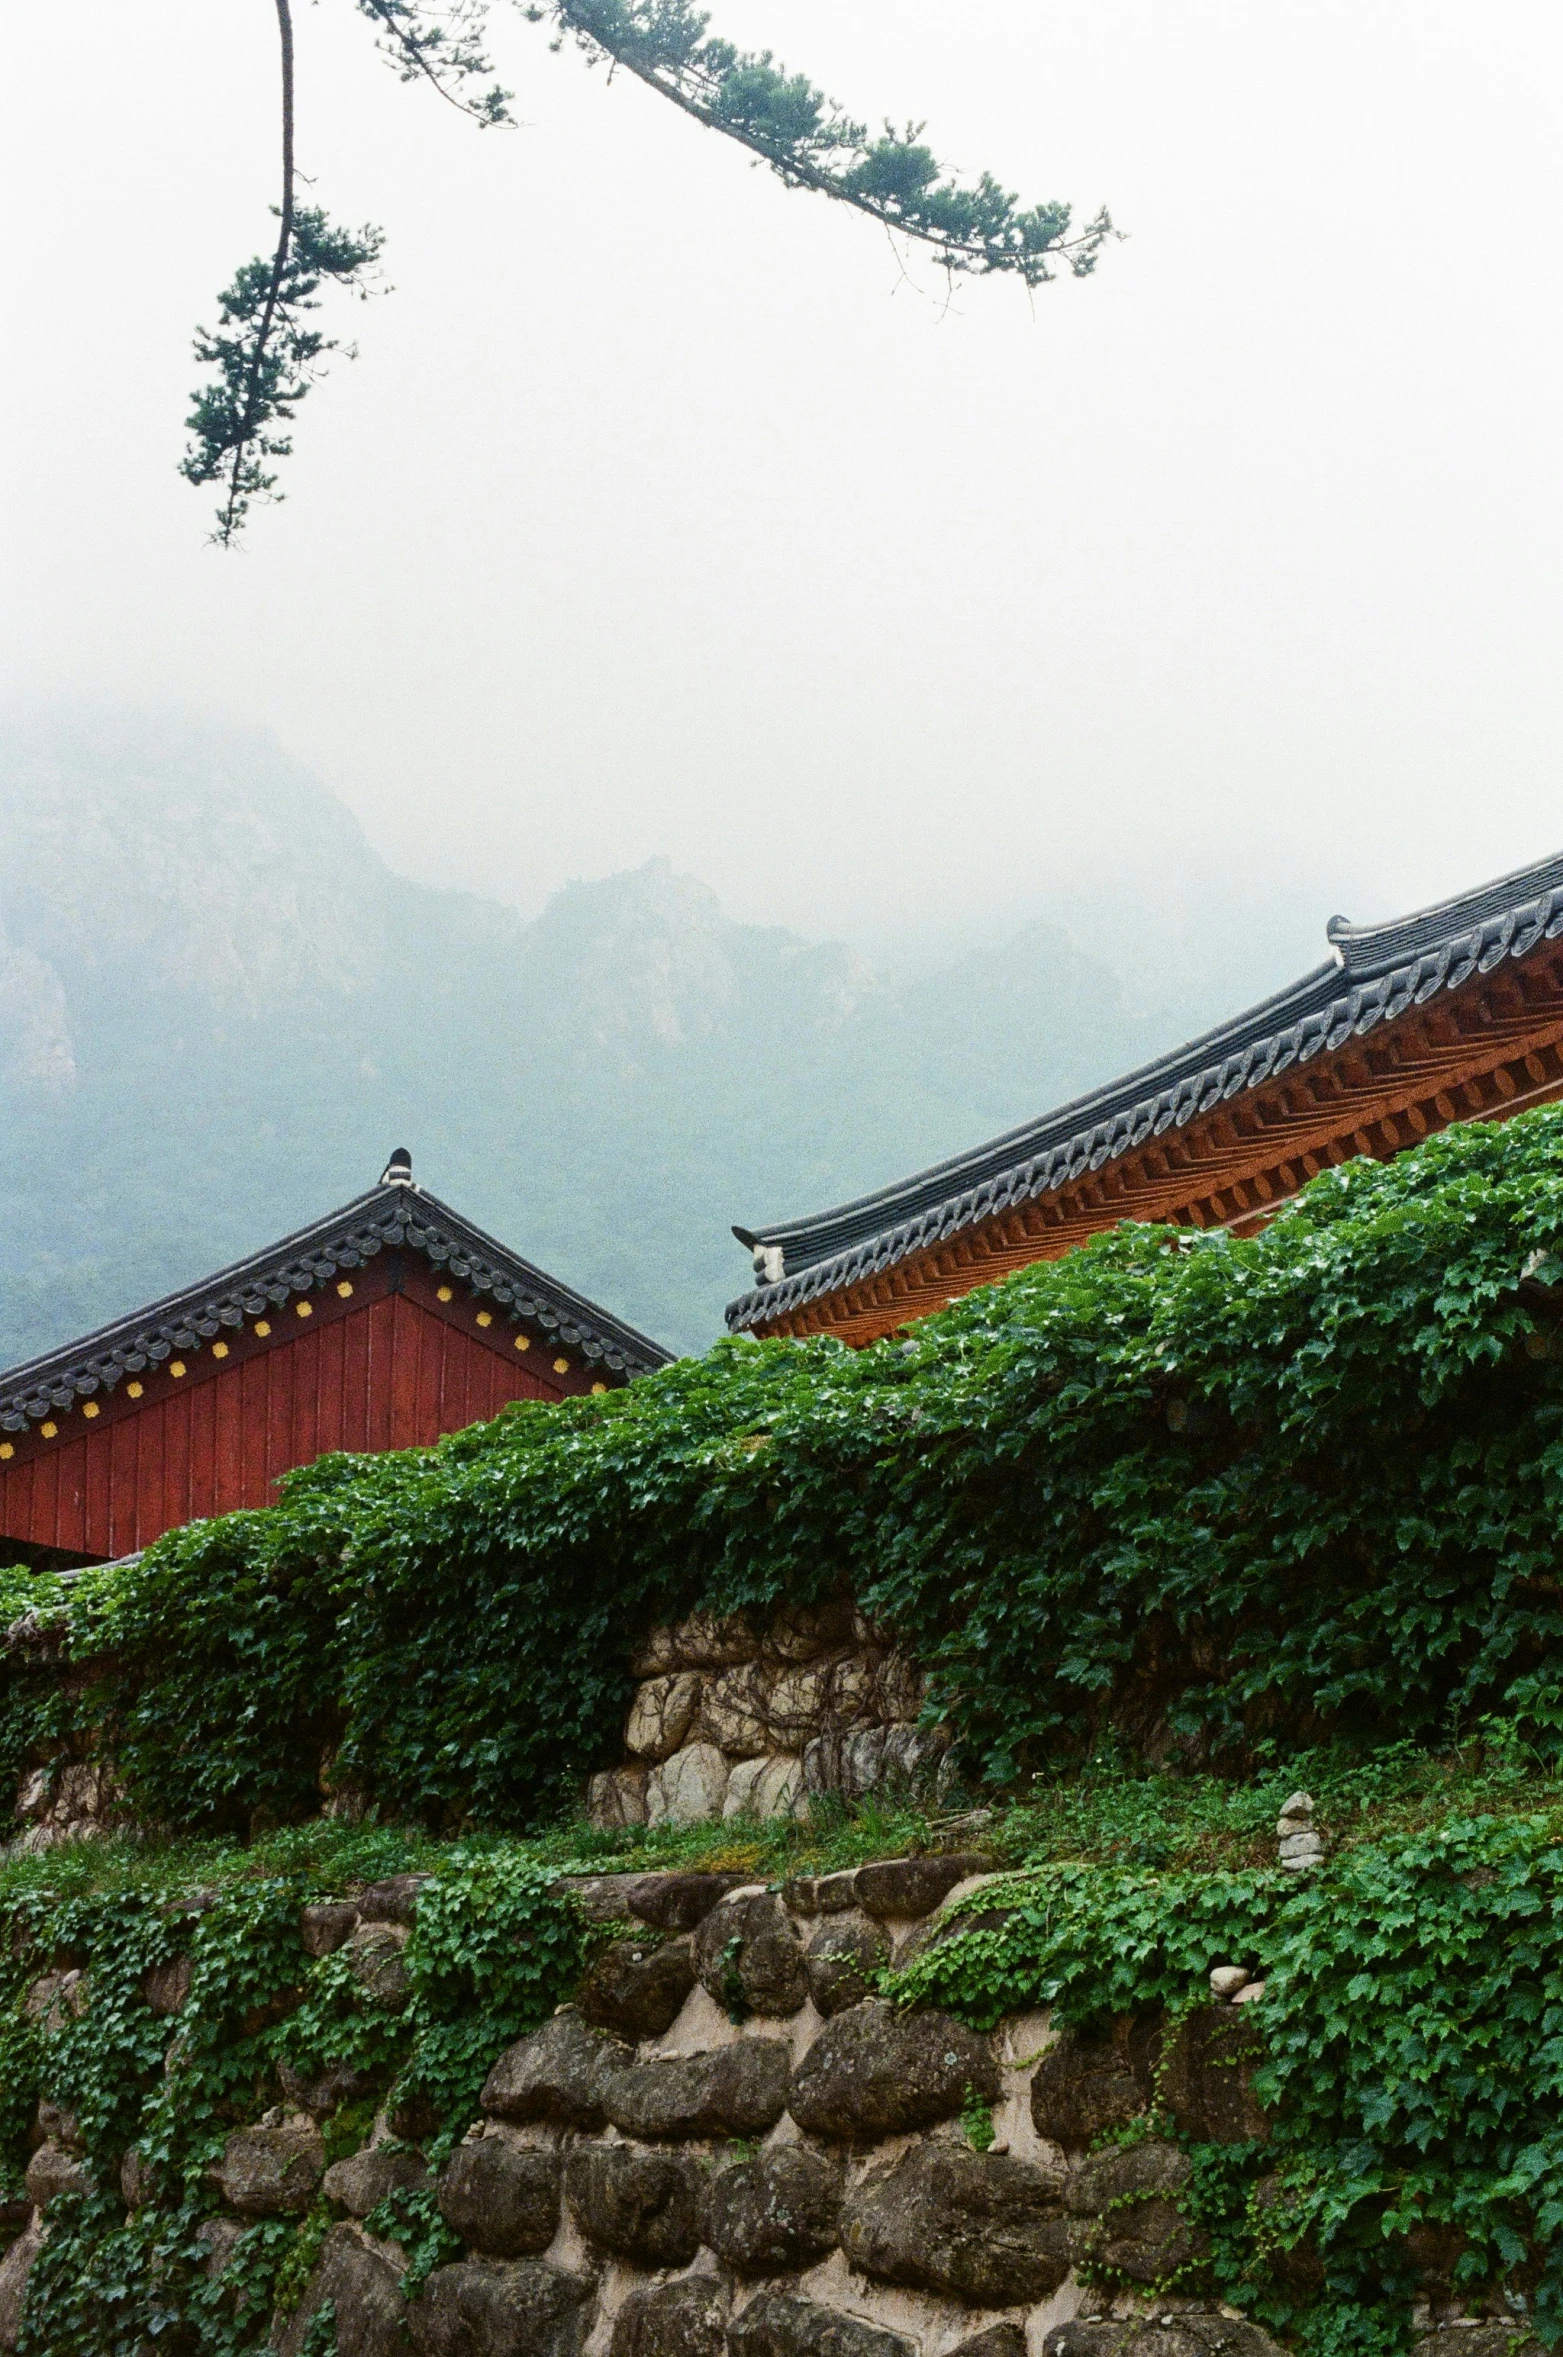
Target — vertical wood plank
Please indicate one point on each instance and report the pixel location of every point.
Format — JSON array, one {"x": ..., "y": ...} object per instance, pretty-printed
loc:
[
  {"x": 377, "y": 1373},
  {"x": 355, "y": 1379},
  {"x": 318, "y": 1402},
  {"x": 214, "y": 1438},
  {"x": 125, "y": 1442},
  {"x": 405, "y": 1340},
  {"x": 431, "y": 1363},
  {"x": 100, "y": 1490},
  {"x": 150, "y": 1519},
  {"x": 291, "y": 1375},
  {"x": 176, "y": 1458}
]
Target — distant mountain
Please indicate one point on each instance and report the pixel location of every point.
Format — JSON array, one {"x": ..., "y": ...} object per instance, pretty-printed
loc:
[{"x": 219, "y": 1008}]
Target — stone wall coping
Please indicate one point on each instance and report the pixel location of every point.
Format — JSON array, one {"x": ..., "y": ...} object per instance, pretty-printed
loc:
[{"x": 894, "y": 1890}]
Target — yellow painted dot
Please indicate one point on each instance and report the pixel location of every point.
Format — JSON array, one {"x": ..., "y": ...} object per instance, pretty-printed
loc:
[
  {"x": 90, "y": 1408},
  {"x": 176, "y": 1366},
  {"x": 303, "y": 1309},
  {"x": 523, "y": 1342},
  {"x": 561, "y": 1366},
  {"x": 133, "y": 1390},
  {"x": 48, "y": 1430},
  {"x": 444, "y": 1294},
  {"x": 598, "y": 1389},
  {"x": 485, "y": 1317},
  {"x": 219, "y": 1350},
  {"x": 6, "y": 1449},
  {"x": 344, "y": 1291},
  {"x": 262, "y": 1326}
]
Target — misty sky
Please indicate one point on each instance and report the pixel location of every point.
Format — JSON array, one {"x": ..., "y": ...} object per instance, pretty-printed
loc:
[{"x": 664, "y": 511}]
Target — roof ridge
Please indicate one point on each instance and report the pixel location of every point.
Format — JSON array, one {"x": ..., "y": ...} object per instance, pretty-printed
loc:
[
  {"x": 399, "y": 1214},
  {"x": 1377, "y": 973}
]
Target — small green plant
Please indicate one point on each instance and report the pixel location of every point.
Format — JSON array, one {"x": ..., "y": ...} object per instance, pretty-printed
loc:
[
  {"x": 735, "y": 1998},
  {"x": 976, "y": 2120}
]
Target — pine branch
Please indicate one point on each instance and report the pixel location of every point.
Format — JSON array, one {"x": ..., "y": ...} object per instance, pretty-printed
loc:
[
  {"x": 810, "y": 142},
  {"x": 264, "y": 353}
]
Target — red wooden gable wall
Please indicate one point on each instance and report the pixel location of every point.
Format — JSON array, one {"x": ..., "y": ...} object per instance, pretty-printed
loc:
[{"x": 375, "y": 1361}]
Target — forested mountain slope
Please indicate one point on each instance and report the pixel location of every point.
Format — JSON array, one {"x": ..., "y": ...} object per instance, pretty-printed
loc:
[{"x": 219, "y": 1008}]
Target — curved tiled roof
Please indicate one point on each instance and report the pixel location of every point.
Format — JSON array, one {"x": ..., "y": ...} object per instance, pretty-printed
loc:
[
  {"x": 1375, "y": 973},
  {"x": 394, "y": 1214}
]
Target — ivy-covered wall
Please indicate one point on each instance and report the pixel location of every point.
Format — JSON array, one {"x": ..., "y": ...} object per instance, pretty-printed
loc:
[
  {"x": 1124, "y": 2076},
  {"x": 1220, "y": 1496}
]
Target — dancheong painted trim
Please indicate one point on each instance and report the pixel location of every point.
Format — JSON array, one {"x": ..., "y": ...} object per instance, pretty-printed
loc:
[
  {"x": 1375, "y": 974},
  {"x": 395, "y": 1214}
]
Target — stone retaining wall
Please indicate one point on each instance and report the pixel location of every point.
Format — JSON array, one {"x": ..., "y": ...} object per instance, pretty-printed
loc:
[
  {"x": 727, "y": 1720},
  {"x": 728, "y": 2147}
]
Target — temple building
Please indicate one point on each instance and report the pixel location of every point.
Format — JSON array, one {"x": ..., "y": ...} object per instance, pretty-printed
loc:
[
  {"x": 381, "y": 1327},
  {"x": 1453, "y": 1014}
]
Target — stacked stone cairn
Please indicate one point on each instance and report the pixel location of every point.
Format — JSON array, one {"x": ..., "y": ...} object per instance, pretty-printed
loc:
[
  {"x": 728, "y": 1721},
  {"x": 729, "y": 2147},
  {"x": 1300, "y": 1847}
]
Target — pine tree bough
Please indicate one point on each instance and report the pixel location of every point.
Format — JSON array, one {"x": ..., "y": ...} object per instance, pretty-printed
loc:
[{"x": 266, "y": 353}]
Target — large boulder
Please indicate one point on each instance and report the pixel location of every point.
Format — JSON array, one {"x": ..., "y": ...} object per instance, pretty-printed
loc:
[
  {"x": 375, "y": 1960},
  {"x": 58, "y": 1998},
  {"x": 501, "y": 2198},
  {"x": 219, "y": 2238},
  {"x": 876, "y": 2072},
  {"x": 1497, "y": 2338},
  {"x": 999, "y": 2340},
  {"x": 395, "y": 1900},
  {"x": 166, "y": 1986},
  {"x": 799, "y": 1705},
  {"x": 768, "y": 1787},
  {"x": 1133, "y": 2191},
  {"x": 689, "y": 1788},
  {"x": 706, "y": 1641},
  {"x": 822, "y": 1894},
  {"x": 869, "y": 1760},
  {"x": 326, "y": 2091},
  {"x": 661, "y": 1714},
  {"x": 1085, "y": 2084},
  {"x": 326, "y": 1926},
  {"x": 15, "y": 2268},
  {"x": 685, "y": 2319},
  {"x": 740, "y": 2090},
  {"x": 641, "y": 2206},
  {"x": 501, "y": 2308},
  {"x": 800, "y": 1632},
  {"x": 55, "y": 2170},
  {"x": 1207, "y": 2077},
  {"x": 978, "y": 2227},
  {"x": 776, "y": 2213},
  {"x": 366, "y": 2179},
  {"x": 1190, "y": 2333},
  {"x": 749, "y": 1956},
  {"x": 1292, "y": 2258},
  {"x": 272, "y": 2169},
  {"x": 734, "y": 1711},
  {"x": 914, "y": 1886},
  {"x": 780, "y": 2324},
  {"x": 843, "y": 1961},
  {"x": 365, "y": 2291},
  {"x": 560, "y": 2073},
  {"x": 900, "y": 1688},
  {"x": 636, "y": 1986},
  {"x": 616, "y": 1797},
  {"x": 677, "y": 1902}
]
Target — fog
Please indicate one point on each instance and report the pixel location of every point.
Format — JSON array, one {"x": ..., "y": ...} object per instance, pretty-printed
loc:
[{"x": 666, "y": 512}]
